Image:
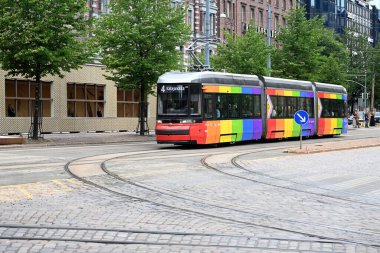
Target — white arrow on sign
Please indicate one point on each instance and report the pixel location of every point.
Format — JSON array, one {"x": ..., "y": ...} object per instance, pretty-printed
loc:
[{"x": 302, "y": 119}]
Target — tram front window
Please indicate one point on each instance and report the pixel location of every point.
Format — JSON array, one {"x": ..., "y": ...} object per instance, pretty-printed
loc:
[{"x": 178, "y": 99}]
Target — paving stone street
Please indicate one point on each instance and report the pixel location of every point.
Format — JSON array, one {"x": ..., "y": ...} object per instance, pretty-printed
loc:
[{"x": 140, "y": 197}]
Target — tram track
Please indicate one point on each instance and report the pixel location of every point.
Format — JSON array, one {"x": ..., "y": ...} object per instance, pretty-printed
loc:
[
  {"x": 252, "y": 176},
  {"x": 249, "y": 220},
  {"x": 149, "y": 237}
]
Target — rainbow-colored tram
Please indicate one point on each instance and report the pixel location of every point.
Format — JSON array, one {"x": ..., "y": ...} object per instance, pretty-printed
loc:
[{"x": 212, "y": 107}]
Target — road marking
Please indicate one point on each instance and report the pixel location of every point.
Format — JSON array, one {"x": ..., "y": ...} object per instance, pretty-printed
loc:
[
  {"x": 375, "y": 192},
  {"x": 24, "y": 191},
  {"x": 319, "y": 177},
  {"x": 74, "y": 181},
  {"x": 355, "y": 182},
  {"x": 62, "y": 185}
]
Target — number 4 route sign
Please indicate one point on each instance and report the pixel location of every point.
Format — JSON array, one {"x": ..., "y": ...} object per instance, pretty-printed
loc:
[{"x": 301, "y": 117}]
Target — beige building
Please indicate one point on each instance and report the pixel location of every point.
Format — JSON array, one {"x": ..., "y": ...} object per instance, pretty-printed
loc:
[{"x": 83, "y": 100}]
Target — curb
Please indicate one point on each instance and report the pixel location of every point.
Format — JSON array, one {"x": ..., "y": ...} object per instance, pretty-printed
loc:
[{"x": 333, "y": 146}]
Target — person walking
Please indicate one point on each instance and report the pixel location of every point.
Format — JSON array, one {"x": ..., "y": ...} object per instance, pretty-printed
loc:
[
  {"x": 356, "y": 117},
  {"x": 366, "y": 118}
]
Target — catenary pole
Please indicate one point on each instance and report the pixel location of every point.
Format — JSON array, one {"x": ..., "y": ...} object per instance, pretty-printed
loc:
[
  {"x": 207, "y": 46},
  {"x": 268, "y": 37}
]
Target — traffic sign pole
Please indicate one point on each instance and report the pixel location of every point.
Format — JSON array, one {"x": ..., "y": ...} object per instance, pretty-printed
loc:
[{"x": 301, "y": 118}]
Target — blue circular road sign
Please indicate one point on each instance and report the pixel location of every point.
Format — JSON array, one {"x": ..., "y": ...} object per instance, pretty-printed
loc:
[{"x": 301, "y": 117}]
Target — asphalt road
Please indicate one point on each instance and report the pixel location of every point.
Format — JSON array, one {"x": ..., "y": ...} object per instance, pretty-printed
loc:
[{"x": 144, "y": 197}]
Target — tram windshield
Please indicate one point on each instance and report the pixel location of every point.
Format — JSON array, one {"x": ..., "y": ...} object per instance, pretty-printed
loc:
[{"x": 179, "y": 100}]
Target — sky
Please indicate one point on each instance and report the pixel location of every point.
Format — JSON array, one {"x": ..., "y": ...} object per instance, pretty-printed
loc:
[{"x": 375, "y": 2}]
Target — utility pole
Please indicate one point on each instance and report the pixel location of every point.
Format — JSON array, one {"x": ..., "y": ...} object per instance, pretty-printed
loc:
[
  {"x": 365, "y": 90},
  {"x": 373, "y": 88},
  {"x": 207, "y": 46},
  {"x": 268, "y": 37}
]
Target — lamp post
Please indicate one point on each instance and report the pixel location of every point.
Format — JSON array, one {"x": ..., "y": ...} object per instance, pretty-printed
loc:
[
  {"x": 268, "y": 37},
  {"x": 365, "y": 91},
  {"x": 207, "y": 46}
]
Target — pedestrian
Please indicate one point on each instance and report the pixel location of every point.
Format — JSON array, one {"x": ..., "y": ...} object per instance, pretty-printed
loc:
[
  {"x": 372, "y": 119},
  {"x": 356, "y": 118},
  {"x": 366, "y": 118}
]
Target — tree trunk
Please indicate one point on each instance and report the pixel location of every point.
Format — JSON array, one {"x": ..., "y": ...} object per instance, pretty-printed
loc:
[
  {"x": 37, "y": 104},
  {"x": 142, "y": 109}
]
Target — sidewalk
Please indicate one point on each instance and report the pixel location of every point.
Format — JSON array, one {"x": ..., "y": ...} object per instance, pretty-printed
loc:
[{"x": 84, "y": 138}]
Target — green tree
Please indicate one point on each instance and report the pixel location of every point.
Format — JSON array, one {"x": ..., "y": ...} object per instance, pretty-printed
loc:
[
  {"x": 137, "y": 43},
  {"x": 40, "y": 37},
  {"x": 358, "y": 65},
  {"x": 375, "y": 74},
  {"x": 309, "y": 51},
  {"x": 245, "y": 54},
  {"x": 333, "y": 59}
]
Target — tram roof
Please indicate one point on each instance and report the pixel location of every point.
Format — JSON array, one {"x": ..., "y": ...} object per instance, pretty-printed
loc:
[
  {"x": 209, "y": 78},
  {"x": 327, "y": 87},
  {"x": 274, "y": 82}
]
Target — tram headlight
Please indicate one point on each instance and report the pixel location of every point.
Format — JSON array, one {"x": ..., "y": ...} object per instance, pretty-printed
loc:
[
  {"x": 159, "y": 121},
  {"x": 186, "y": 121}
]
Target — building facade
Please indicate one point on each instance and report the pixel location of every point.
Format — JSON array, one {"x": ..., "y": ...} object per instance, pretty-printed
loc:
[
  {"x": 240, "y": 15},
  {"x": 355, "y": 15},
  {"x": 83, "y": 100},
  {"x": 375, "y": 25},
  {"x": 231, "y": 16}
]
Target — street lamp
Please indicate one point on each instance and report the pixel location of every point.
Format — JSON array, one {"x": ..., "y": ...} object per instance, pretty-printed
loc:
[
  {"x": 365, "y": 86},
  {"x": 365, "y": 91}
]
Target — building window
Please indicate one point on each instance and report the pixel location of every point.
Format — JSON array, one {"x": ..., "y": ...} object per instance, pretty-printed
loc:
[
  {"x": 190, "y": 19},
  {"x": 128, "y": 102},
  {"x": 261, "y": 18},
  {"x": 228, "y": 9},
  {"x": 20, "y": 97},
  {"x": 276, "y": 22},
  {"x": 243, "y": 14},
  {"x": 252, "y": 15},
  {"x": 85, "y": 100}
]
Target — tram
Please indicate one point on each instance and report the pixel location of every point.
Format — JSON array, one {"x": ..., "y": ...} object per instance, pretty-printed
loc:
[{"x": 212, "y": 107}]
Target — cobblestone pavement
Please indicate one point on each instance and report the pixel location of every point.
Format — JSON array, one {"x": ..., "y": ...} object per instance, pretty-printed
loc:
[{"x": 261, "y": 200}]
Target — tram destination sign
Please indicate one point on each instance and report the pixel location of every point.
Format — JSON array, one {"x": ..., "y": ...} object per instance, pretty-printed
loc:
[
  {"x": 301, "y": 117},
  {"x": 172, "y": 88}
]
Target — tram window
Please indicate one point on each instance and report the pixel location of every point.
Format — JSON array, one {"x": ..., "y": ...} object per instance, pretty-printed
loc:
[
  {"x": 195, "y": 100},
  {"x": 173, "y": 99},
  {"x": 333, "y": 108},
  {"x": 310, "y": 107},
  {"x": 233, "y": 106},
  {"x": 292, "y": 106},
  {"x": 208, "y": 106},
  {"x": 286, "y": 107},
  {"x": 222, "y": 102},
  {"x": 279, "y": 107},
  {"x": 256, "y": 106},
  {"x": 247, "y": 106}
]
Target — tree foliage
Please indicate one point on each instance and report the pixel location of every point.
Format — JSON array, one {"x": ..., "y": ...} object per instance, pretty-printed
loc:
[
  {"x": 42, "y": 33},
  {"x": 358, "y": 66},
  {"x": 309, "y": 51},
  {"x": 40, "y": 37},
  {"x": 245, "y": 54},
  {"x": 138, "y": 41}
]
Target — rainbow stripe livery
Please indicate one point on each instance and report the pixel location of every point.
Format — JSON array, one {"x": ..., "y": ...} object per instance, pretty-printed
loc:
[{"x": 211, "y": 107}]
